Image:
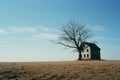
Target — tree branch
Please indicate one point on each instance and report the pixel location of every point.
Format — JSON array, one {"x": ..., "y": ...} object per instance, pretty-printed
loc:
[{"x": 65, "y": 45}]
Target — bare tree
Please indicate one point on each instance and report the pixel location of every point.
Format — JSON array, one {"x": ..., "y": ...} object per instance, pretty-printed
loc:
[{"x": 73, "y": 35}]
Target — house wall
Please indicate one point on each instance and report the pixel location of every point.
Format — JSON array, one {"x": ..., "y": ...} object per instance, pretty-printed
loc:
[
  {"x": 86, "y": 53},
  {"x": 95, "y": 54}
]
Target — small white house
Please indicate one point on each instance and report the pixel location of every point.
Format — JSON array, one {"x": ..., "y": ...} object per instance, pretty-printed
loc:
[{"x": 90, "y": 51}]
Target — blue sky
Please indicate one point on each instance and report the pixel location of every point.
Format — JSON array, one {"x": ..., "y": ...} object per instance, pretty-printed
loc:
[{"x": 27, "y": 26}]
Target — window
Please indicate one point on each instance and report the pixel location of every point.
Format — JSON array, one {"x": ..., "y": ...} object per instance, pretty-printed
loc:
[
  {"x": 84, "y": 55},
  {"x": 87, "y": 55},
  {"x": 87, "y": 50}
]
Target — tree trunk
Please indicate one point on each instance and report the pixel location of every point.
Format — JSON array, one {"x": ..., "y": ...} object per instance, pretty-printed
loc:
[{"x": 79, "y": 57}]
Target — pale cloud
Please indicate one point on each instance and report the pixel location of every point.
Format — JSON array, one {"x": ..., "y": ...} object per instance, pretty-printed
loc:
[
  {"x": 45, "y": 36},
  {"x": 99, "y": 28},
  {"x": 101, "y": 38},
  {"x": 96, "y": 28},
  {"x": 32, "y": 33},
  {"x": 45, "y": 33},
  {"x": 31, "y": 29},
  {"x": 2, "y": 31},
  {"x": 22, "y": 29},
  {"x": 46, "y": 29}
]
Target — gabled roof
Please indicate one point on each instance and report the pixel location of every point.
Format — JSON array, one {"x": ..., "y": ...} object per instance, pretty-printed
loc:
[{"x": 92, "y": 45}]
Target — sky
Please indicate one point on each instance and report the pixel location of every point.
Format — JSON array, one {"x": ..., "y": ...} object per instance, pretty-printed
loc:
[{"x": 28, "y": 26}]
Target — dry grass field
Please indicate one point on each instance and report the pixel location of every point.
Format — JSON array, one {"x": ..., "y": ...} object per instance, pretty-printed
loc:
[{"x": 70, "y": 70}]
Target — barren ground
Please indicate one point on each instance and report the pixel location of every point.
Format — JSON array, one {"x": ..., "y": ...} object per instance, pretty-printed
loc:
[{"x": 70, "y": 70}]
